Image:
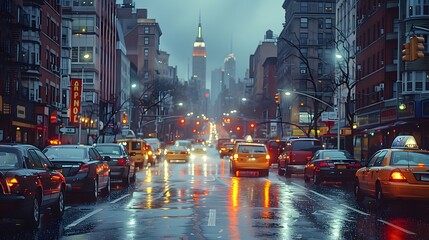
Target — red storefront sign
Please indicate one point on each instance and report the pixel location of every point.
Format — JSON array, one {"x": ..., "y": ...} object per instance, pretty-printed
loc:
[{"x": 76, "y": 100}]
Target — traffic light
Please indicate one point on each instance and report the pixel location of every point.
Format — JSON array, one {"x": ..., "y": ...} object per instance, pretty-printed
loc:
[
  {"x": 413, "y": 50},
  {"x": 238, "y": 128},
  {"x": 417, "y": 47},
  {"x": 406, "y": 52},
  {"x": 252, "y": 125},
  {"x": 277, "y": 98},
  {"x": 124, "y": 119},
  {"x": 197, "y": 122},
  {"x": 182, "y": 121}
]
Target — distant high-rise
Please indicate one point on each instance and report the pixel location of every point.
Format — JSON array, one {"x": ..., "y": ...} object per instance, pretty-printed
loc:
[
  {"x": 199, "y": 61},
  {"x": 230, "y": 70}
]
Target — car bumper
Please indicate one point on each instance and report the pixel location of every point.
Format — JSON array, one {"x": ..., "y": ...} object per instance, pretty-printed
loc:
[
  {"x": 295, "y": 168},
  {"x": 336, "y": 175},
  {"x": 14, "y": 206},
  {"x": 400, "y": 190},
  {"x": 251, "y": 166},
  {"x": 118, "y": 172},
  {"x": 74, "y": 184}
]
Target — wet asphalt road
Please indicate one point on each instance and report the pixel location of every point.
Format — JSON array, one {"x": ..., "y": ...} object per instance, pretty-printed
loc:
[{"x": 201, "y": 200}]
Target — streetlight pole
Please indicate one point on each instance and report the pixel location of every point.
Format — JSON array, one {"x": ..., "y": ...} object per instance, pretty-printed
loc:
[{"x": 287, "y": 93}]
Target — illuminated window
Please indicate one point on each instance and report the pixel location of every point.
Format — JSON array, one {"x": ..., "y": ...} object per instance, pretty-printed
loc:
[{"x": 304, "y": 22}]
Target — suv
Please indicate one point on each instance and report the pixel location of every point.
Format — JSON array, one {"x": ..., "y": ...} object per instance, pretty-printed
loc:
[{"x": 296, "y": 155}]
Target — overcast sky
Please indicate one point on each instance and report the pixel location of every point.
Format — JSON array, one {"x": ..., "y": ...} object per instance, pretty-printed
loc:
[{"x": 240, "y": 22}]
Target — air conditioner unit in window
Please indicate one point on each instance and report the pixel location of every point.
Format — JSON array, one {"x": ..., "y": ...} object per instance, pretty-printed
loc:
[
  {"x": 382, "y": 31},
  {"x": 303, "y": 71},
  {"x": 377, "y": 88},
  {"x": 382, "y": 62}
]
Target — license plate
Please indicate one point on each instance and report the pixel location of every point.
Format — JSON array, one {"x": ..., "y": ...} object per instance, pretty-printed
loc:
[
  {"x": 252, "y": 159},
  {"x": 341, "y": 166}
]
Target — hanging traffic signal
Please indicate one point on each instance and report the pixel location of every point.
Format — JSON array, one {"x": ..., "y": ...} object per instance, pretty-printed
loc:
[
  {"x": 198, "y": 122},
  {"x": 182, "y": 121},
  {"x": 238, "y": 128},
  {"x": 252, "y": 125},
  {"x": 277, "y": 98},
  {"x": 406, "y": 52},
  {"x": 417, "y": 47},
  {"x": 124, "y": 119}
]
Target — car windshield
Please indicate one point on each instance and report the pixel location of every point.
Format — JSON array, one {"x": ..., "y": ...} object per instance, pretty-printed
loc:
[
  {"x": 72, "y": 154},
  {"x": 337, "y": 155},
  {"x": 176, "y": 147},
  {"x": 251, "y": 149},
  {"x": 109, "y": 150},
  {"x": 8, "y": 160},
  {"x": 306, "y": 145},
  {"x": 409, "y": 158}
]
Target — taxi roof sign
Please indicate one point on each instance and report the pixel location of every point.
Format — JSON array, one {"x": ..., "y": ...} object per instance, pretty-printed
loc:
[
  {"x": 405, "y": 141},
  {"x": 248, "y": 138}
]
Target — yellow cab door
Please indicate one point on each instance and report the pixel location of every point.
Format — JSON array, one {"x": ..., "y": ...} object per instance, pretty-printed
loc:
[{"x": 373, "y": 171}]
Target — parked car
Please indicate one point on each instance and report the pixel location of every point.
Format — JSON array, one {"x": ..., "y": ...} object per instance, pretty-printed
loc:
[
  {"x": 29, "y": 182},
  {"x": 247, "y": 156},
  {"x": 331, "y": 165},
  {"x": 122, "y": 166},
  {"x": 296, "y": 155},
  {"x": 83, "y": 167},
  {"x": 399, "y": 172},
  {"x": 176, "y": 153},
  {"x": 138, "y": 150}
]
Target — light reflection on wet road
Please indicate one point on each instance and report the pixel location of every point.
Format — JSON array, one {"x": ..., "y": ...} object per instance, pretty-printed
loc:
[{"x": 200, "y": 200}]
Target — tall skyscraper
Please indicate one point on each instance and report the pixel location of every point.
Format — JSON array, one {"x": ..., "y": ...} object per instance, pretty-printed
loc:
[
  {"x": 199, "y": 62},
  {"x": 230, "y": 73}
]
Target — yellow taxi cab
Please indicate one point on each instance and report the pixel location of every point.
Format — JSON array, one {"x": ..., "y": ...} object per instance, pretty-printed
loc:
[
  {"x": 400, "y": 172},
  {"x": 138, "y": 150},
  {"x": 249, "y": 156}
]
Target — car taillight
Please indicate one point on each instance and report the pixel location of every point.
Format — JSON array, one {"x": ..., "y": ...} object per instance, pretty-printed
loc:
[
  {"x": 12, "y": 184},
  {"x": 324, "y": 164},
  {"x": 354, "y": 165},
  {"x": 235, "y": 157},
  {"x": 84, "y": 168},
  {"x": 149, "y": 153},
  {"x": 267, "y": 156},
  {"x": 121, "y": 162},
  {"x": 397, "y": 176}
]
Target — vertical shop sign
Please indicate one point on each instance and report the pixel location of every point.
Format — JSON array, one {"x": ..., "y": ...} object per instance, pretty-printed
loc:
[{"x": 76, "y": 100}]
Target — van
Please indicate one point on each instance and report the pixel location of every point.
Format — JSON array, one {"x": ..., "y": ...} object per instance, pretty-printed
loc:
[
  {"x": 296, "y": 155},
  {"x": 137, "y": 149}
]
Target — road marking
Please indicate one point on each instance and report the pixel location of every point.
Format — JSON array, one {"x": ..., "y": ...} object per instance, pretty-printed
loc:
[
  {"x": 318, "y": 194},
  {"x": 212, "y": 218},
  {"x": 356, "y": 210},
  {"x": 119, "y": 199},
  {"x": 397, "y": 227},
  {"x": 68, "y": 207},
  {"x": 83, "y": 218}
]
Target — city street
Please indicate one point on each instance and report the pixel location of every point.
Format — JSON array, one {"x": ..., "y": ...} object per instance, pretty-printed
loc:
[{"x": 201, "y": 200}]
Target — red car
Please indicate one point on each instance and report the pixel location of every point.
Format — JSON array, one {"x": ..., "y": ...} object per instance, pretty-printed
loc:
[{"x": 29, "y": 182}]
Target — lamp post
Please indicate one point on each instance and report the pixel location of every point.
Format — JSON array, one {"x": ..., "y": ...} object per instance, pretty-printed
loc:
[{"x": 287, "y": 93}]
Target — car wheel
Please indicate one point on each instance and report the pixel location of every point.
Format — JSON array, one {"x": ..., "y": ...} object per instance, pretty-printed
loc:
[
  {"x": 316, "y": 180},
  {"x": 133, "y": 178},
  {"x": 358, "y": 192},
  {"x": 108, "y": 188},
  {"x": 280, "y": 171},
  {"x": 287, "y": 172},
  {"x": 126, "y": 180},
  {"x": 58, "y": 209},
  {"x": 306, "y": 178},
  {"x": 379, "y": 198},
  {"x": 33, "y": 220},
  {"x": 93, "y": 195}
]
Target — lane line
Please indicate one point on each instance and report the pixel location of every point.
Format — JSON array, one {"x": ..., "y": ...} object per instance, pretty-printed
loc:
[
  {"x": 83, "y": 218},
  {"x": 356, "y": 210},
  {"x": 397, "y": 227},
  {"x": 119, "y": 199},
  {"x": 212, "y": 218},
  {"x": 318, "y": 194}
]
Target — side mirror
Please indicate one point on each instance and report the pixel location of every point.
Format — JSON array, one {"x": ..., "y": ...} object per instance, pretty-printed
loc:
[{"x": 106, "y": 158}]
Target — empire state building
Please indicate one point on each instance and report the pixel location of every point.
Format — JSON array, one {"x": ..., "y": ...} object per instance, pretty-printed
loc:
[{"x": 199, "y": 62}]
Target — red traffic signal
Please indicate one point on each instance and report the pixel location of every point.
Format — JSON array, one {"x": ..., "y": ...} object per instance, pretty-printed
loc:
[
  {"x": 238, "y": 128},
  {"x": 252, "y": 125},
  {"x": 182, "y": 121}
]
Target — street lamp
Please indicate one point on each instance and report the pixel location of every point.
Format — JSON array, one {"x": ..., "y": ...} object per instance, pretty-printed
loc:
[{"x": 287, "y": 93}]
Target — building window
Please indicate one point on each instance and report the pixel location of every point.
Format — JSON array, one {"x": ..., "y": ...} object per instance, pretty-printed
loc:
[
  {"x": 304, "y": 7},
  {"x": 302, "y": 68},
  {"x": 304, "y": 22},
  {"x": 146, "y": 52},
  {"x": 303, "y": 38},
  {"x": 328, "y": 7},
  {"x": 304, "y": 52},
  {"x": 320, "y": 23},
  {"x": 82, "y": 54},
  {"x": 146, "y": 40},
  {"x": 83, "y": 24},
  {"x": 146, "y": 75},
  {"x": 146, "y": 30},
  {"x": 328, "y": 23}
]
